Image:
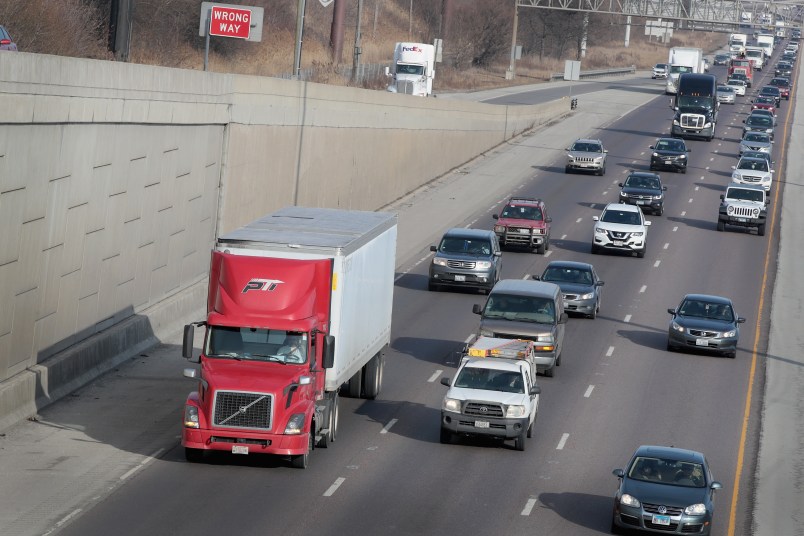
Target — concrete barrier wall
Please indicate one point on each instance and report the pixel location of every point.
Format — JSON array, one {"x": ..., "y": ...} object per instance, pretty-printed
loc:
[{"x": 115, "y": 179}]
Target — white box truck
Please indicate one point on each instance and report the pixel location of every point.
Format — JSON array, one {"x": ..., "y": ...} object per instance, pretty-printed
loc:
[
  {"x": 737, "y": 43},
  {"x": 682, "y": 60},
  {"x": 765, "y": 42},
  {"x": 757, "y": 55},
  {"x": 413, "y": 70},
  {"x": 299, "y": 304}
]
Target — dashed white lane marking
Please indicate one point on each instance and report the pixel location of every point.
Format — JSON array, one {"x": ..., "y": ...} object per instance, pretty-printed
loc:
[
  {"x": 578, "y": 220},
  {"x": 683, "y": 213},
  {"x": 643, "y": 288},
  {"x": 610, "y": 351},
  {"x": 707, "y": 168},
  {"x": 642, "y": 153},
  {"x": 656, "y": 264},
  {"x": 615, "y": 181},
  {"x": 712, "y": 159},
  {"x": 563, "y": 237},
  {"x": 697, "y": 188},
  {"x": 547, "y": 254},
  {"x": 588, "y": 392},
  {"x": 435, "y": 375},
  {"x": 526, "y": 276},
  {"x": 388, "y": 426},
  {"x": 667, "y": 245},
  {"x": 690, "y": 201},
  {"x": 143, "y": 463},
  {"x": 627, "y": 318},
  {"x": 675, "y": 228},
  {"x": 469, "y": 339},
  {"x": 605, "y": 192},
  {"x": 562, "y": 442},
  {"x": 468, "y": 225},
  {"x": 528, "y": 507},
  {"x": 334, "y": 487}
]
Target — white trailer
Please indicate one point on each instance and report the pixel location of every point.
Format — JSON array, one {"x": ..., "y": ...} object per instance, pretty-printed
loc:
[
  {"x": 682, "y": 60},
  {"x": 413, "y": 70},
  {"x": 765, "y": 42}
]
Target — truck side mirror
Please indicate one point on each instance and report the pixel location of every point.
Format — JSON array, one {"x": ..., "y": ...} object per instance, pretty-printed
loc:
[
  {"x": 477, "y": 309},
  {"x": 387, "y": 71},
  {"x": 187, "y": 343},
  {"x": 328, "y": 357},
  {"x": 445, "y": 381}
]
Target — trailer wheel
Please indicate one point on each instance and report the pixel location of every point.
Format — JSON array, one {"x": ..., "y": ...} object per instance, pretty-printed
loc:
[
  {"x": 373, "y": 380},
  {"x": 354, "y": 387},
  {"x": 302, "y": 461},
  {"x": 334, "y": 415}
]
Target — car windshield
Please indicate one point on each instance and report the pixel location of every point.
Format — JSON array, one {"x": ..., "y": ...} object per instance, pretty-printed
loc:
[
  {"x": 764, "y": 100},
  {"x": 468, "y": 246},
  {"x": 779, "y": 81},
  {"x": 560, "y": 274},
  {"x": 770, "y": 90},
  {"x": 626, "y": 217},
  {"x": 520, "y": 308},
  {"x": 705, "y": 309},
  {"x": 256, "y": 344},
  {"x": 506, "y": 381},
  {"x": 734, "y": 82},
  {"x": 759, "y": 121},
  {"x": 741, "y": 194},
  {"x": 668, "y": 471},
  {"x": 641, "y": 181},
  {"x": 725, "y": 89},
  {"x": 757, "y": 154},
  {"x": 753, "y": 164},
  {"x": 757, "y": 137},
  {"x": 672, "y": 145},
  {"x": 582, "y": 147},
  {"x": 522, "y": 213}
]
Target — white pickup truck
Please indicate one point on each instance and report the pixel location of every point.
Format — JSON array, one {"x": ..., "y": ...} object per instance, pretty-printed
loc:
[{"x": 494, "y": 393}]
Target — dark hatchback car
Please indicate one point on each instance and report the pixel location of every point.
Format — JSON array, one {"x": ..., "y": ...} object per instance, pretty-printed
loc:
[
  {"x": 721, "y": 59},
  {"x": 667, "y": 490},
  {"x": 783, "y": 84},
  {"x": 644, "y": 189},
  {"x": 758, "y": 123},
  {"x": 466, "y": 258},
  {"x": 579, "y": 284},
  {"x": 669, "y": 153},
  {"x": 783, "y": 68},
  {"x": 704, "y": 323},
  {"x": 772, "y": 91},
  {"x": 6, "y": 43}
]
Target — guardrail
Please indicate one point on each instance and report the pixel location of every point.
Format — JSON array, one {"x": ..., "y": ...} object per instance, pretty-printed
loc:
[{"x": 596, "y": 73}]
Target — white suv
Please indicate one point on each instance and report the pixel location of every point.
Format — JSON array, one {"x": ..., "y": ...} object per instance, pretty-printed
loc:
[
  {"x": 621, "y": 227},
  {"x": 751, "y": 170}
]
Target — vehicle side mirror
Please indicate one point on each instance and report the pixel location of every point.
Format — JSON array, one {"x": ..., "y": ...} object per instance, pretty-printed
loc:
[
  {"x": 548, "y": 219},
  {"x": 647, "y": 224},
  {"x": 568, "y": 149},
  {"x": 445, "y": 381},
  {"x": 743, "y": 120},
  {"x": 495, "y": 217},
  {"x": 740, "y": 320},
  {"x": 595, "y": 218},
  {"x": 605, "y": 150},
  {"x": 433, "y": 248},
  {"x": 621, "y": 185},
  {"x": 619, "y": 473},
  {"x": 477, "y": 308},
  {"x": 716, "y": 485},
  {"x": 498, "y": 253},
  {"x": 187, "y": 343},
  {"x": 664, "y": 188},
  {"x": 722, "y": 197},
  {"x": 600, "y": 283},
  {"x": 535, "y": 390},
  {"x": 537, "y": 278},
  {"x": 733, "y": 167},
  {"x": 651, "y": 147},
  {"x": 387, "y": 71},
  {"x": 672, "y": 311},
  {"x": 328, "y": 353},
  {"x": 563, "y": 318},
  {"x": 689, "y": 150}
]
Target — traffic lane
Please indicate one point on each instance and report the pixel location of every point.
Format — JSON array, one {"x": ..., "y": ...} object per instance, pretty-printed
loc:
[{"x": 574, "y": 89}]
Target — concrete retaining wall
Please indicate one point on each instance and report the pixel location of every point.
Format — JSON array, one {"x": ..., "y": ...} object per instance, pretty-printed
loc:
[{"x": 115, "y": 179}]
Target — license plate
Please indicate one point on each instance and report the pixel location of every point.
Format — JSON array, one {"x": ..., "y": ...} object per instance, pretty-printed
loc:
[
  {"x": 742, "y": 219},
  {"x": 481, "y": 424},
  {"x": 618, "y": 242},
  {"x": 524, "y": 231},
  {"x": 640, "y": 202},
  {"x": 668, "y": 162},
  {"x": 660, "y": 520},
  {"x": 460, "y": 278},
  {"x": 239, "y": 449},
  {"x": 702, "y": 342}
]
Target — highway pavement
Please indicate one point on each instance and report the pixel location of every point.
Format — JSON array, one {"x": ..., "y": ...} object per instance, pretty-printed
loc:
[{"x": 108, "y": 458}]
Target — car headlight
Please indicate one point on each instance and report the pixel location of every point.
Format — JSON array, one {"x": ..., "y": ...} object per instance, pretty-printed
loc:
[
  {"x": 676, "y": 327},
  {"x": 629, "y": 500},
  {"x": 695, "y": 510},
  {"x": 756, "y": 212},
  {"x": 515, "y": 412},
  {"x": 657, "y": 196},
  {"x": 655, "y": 154},
  {"x": 544, "y": 338},
  {"x": 571, "y": 158},
  {"x": 600, "y": 231},
  {"x": 637, "y": 234},
  {"x": 486, "y": 333},
  {"x": 729, "y": 334},
  {"x": 598, "y": 159},
  {"x": 190, "y": 416},
  {"x": 439, "y": 261},
  {"x": 588, "y": 296},
  {"x": 295, "y": 424},
  {"x": 682, "y": 156},
  {"x": 483, "y": 265},
  {"x": 451, "y": 404},
  {"x": 623, "y": 194},
  {"x": 499, "y": 228}
]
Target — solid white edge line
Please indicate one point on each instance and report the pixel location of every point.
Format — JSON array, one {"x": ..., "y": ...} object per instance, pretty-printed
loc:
[
  {"x": 435, "y": 375},
  {"x": 388, "y": 426},
  {"x": 610, "y": 351},
  {"x": 68, "y": 517},
  {"x": 588, "y": 392},
  {"x": 563, "y": 442},
  {"x": 147, "y": 460},
  {"x": 334, "y": 487},
  {"x": 528, "y": 507},
  {"x": 627, "y": 318}
]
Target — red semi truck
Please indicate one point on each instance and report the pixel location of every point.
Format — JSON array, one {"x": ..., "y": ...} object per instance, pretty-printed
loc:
[{"x": 298, "y": 309}]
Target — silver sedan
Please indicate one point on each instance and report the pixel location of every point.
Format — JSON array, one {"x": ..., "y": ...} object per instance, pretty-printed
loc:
[
  {"x": 726, "y": 94},
  {"x": 756, "y": 141}
]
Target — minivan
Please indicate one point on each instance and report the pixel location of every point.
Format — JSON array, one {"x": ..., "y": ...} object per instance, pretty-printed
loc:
[{"x": 526, "y": 309}]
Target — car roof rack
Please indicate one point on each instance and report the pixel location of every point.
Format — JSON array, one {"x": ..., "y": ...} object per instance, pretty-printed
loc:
[{"x": 534, "y": 200}]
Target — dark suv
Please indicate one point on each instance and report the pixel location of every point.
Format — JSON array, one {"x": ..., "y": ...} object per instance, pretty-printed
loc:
[
  {"x": 524, "y": 222},
  {"x": 466, "y": 258},
  {"x": 669, "y": 153},
  {"x": 644, "y": 190},
  {"x": 783, "y": 84}
]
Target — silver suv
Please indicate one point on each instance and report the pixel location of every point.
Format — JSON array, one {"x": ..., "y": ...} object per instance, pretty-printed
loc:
[
  {"x": 586, "y": 155},
  {"x": 466, "y": 258}
]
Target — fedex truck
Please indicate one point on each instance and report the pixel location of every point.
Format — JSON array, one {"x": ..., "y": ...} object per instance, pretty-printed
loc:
[
  {"x": 298, "y": 310},
  {"x": 413, "y": 70}
]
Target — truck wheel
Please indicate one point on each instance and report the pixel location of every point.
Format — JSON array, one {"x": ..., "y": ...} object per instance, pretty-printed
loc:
[
  {"x": 445, "y": 437},
  {"x": 550, "y": 372},
  {"x": 302, "y": 461},
  {"x": 761, "y": 229},
  {"x": 721, "y": 226},
  {"x": 373, "y": 380},
  {"x": 519, "y": 441},
  {"x": 354, "y": 387},
  {"x": 539, "y": 249},
  {"x": 331, "y": 425},
  {"x": 530, "y": 428},
  {"x": 193, "y": 455}
]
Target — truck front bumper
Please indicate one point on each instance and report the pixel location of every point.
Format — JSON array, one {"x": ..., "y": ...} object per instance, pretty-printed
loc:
[
  {"x": 680, "y": 132},
  {"x": 488, "y": 426},
  {"x": 244, "y": 442},
  {"x": 525, "y": 237},
  {"x": 742, "y": 222}
]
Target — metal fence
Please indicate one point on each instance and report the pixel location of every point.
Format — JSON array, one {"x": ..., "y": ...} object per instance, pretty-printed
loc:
[
  {"x": 596, "y": 73},
  {"x": 365, "y": 71}
]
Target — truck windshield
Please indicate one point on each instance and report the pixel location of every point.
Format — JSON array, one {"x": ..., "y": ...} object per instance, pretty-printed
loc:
[
  {"x": 680, "y": 69},
  {"x": 490, "y": 380},
  {"x": 257, "y": 344},
  {"x": 686, "y": 101},
  {"x": 406, "y": 68},
  {"x": 520, "y": 308}
]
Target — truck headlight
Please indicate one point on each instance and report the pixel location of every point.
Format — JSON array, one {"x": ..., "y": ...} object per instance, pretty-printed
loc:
[
  {"x": 295, "y": 424},
  {"x": 439, "y": 261},
  {"x": 483, "y": 265},
  {"x": 515, "y": 412},
  {"x": 657, "y": 196},
  {"x": 756, "y": 212},
  {"x": 629, "y": 500},
  {"x": 451, "y": 404},
  {"x": 675, "y": 122},
  {"x": 499, "y": 228},
  {"x": 674, "y": 325},
  {"x": 695, "y": 510},
  {"x": 190, "y": 416}
]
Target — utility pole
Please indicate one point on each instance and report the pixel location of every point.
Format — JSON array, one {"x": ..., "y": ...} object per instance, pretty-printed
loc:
[
  {"x": 511, "y": 72},
  {"x": 299, "y": 34},
  {"x": 410, "y": 21},
  {"x": 585, "y": 34},
  {"x": 628, "y": 31},
  {"x": 356, "y": 61}
]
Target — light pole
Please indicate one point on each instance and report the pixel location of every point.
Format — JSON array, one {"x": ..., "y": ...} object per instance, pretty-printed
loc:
[
  {"x": 356, "y": 61},
  {"x": 511, "y": 72},
  {"x": 299, "y": 33}
]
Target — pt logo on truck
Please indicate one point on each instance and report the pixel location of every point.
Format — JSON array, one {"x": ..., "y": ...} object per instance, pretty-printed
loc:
[{"x": 261, "y": 284}]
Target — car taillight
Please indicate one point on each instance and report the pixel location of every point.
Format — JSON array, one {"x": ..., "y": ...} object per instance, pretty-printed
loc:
[{"x": 5, "y": 41}]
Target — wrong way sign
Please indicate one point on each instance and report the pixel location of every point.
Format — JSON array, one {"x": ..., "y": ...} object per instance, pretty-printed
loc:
[{"x": 228, "y": 20}]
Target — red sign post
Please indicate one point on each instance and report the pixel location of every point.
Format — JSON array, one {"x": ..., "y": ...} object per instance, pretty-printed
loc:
[{"x": 230, "y": 22}]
